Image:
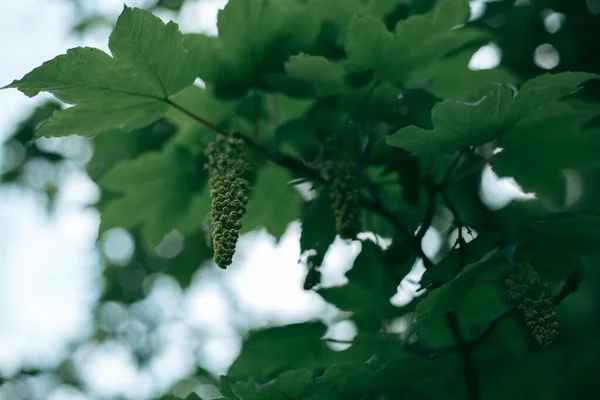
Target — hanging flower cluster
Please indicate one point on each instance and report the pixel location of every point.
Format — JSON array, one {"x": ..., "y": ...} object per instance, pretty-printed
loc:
[
  {"x": 340, "y": 170},
  {"x": 534, "y": 301},
  {"x": 227, "y": 164}
]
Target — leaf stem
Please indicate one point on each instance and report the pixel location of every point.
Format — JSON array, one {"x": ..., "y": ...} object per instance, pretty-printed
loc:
[{"x": 476, "y": 168}]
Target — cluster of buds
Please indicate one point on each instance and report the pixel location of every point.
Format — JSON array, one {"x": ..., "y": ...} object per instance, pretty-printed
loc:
[
  {"x": 229, "y": 187},
  {"x": 534, "y": 301},
  {"x": 340, "y": 170}
]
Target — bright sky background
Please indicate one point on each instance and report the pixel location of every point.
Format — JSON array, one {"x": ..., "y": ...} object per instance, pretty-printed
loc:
[{"x": 49, "y": 268}]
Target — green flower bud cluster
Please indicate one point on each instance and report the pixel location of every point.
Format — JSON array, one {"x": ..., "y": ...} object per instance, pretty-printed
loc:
[
  {"x": 534, "y": 301},
  {"x": 340, "y": 170},
  {"x": 227, "y": 164}
]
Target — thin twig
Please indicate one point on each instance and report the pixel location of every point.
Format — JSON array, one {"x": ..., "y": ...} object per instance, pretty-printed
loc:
[
  {"x": 570, "y": 286},
  {"x": 476, "y": 168},
  {"x": 450, "y": 172},
  {"x": 197, "y": 118},
  {"x": 465, "y": 349},
  {"x": 375, "y": 202},
  {"x": 455, "y": 213},
  {"x": 492, "y": 324},
  {"x": 414, "y": 243},
  {"x": 460, "y": 241},
  {"x": 430, "y": 212}
]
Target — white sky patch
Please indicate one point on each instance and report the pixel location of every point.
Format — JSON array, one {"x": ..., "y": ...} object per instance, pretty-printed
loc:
[
  {"x": 487, "y": 57},
  {"x": 553, "y": 21},
  {"x": 497, "y": 192},
  {"x": 47, "y": 280},
  {"x": 109, "y": 370},
  {"x": 546, "y": 56},
  {"x": 201, "y": 16},
  {"x": 408, "y": 288},
  {"x": 65, "y": 392},
  {"x": 268, "y": 284},
  {"x": 343, "y": 331},
  {"x": 477, "y": 8}
]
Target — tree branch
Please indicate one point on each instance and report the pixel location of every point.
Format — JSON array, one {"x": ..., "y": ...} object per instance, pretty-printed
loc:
[
  {"x": 429, "y": 214},
  {"x": 460, "y": 241},
  {"x": 569, "y": 287},
  {"x": 465, "y": 349}
]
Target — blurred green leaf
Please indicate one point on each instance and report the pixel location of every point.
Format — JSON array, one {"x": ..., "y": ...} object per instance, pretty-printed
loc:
[
  {"x": 324, "y": 77},
  {"x": 273, "y": 202},
  {"x": 162, "y": 182},
  {"x": 255, "y": 37},
  {"x": 394, "y": 56}
]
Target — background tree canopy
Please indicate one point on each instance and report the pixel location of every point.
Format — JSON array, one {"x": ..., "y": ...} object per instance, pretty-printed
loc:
[{"x": 366, "y": 122}]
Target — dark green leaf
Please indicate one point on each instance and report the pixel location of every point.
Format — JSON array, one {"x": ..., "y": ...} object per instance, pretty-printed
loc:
[
  {"x": 281, "y": 349},
  {"x": 575, "y": 232},
  {"x": 459, "y": 125},
  {"x": 449, "y": 267},
  {"x": 368, "y": 291},
  {"x": 449, "y": 296},
  {"x": 451, "y": 78},
  {"x": 394, "y": 56},
  {"x": 318, "y": 225},
  {"x": 255, "y": 37},
  {"x": 550, "y": 140}
]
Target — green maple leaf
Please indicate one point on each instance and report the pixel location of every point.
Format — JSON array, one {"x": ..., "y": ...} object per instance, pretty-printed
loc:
[
  {"x": 448, "y": 297},
  {"x": 281, "y": 349},
  {"x": 124, "y": 92},
  {"x": 255, "y": 37},
  {"x": 569, "y": 232},
  {"x": 553, "y": 138},
  {"x": 368, "y": 291},
  {"x": 458, "y": 124},
  {"x": 451, "y": 78},
  {"x": 415, "y": 42},
  {"x": 324, "y": 77}
]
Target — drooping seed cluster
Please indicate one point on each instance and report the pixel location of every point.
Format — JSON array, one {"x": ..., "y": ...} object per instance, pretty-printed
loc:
[
  {"x": 227, "y": 164},
  {"x": 534, "y": 301},
  {"x": 340, "y": 170}
]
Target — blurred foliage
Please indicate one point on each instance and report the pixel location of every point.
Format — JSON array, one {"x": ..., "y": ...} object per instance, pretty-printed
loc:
[{"x": 394, "y": 75}]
